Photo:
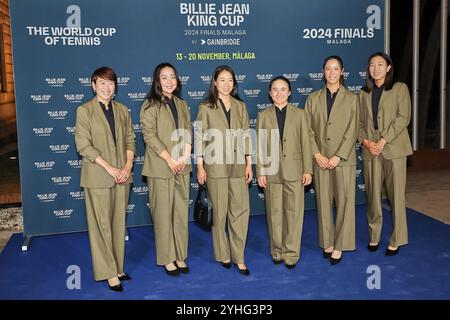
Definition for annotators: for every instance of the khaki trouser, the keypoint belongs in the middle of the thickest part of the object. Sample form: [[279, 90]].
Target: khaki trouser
[[106, 210], [393, 173], [169, 206], [230, 202], [284, 209], [335, 185]]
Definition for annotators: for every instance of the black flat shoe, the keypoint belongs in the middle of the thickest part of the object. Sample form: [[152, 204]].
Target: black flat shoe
[[226, 264], [125, 276], [372, 248], [182, 269], [326, 255], [245, 271], [277, 261], [390, 252], [117, 287], [290, 266], [172, 273]]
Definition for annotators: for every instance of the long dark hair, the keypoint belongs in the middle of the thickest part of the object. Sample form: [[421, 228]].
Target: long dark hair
[[341, 64], [279, 78], [213, 94], [156, 95], [388, 81]]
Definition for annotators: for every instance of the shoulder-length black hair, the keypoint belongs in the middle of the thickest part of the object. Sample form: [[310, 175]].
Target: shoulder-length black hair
[[156, 94], [341, 64], [213, 94], [389, 80], [279, 78]]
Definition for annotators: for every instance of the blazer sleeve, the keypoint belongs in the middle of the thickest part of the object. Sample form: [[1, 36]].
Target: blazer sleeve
[[312, 135], [149, 125], [200, 127], [188, 136], [362, 134], [83, 138], [261, 144], [403, 116], [245, 127], [351, 132], [131, 136], [306, 144]]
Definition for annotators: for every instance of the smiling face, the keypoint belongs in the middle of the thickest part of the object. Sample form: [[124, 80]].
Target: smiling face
[[333, 72], [104, 89], [168, 80], [378, 69], [279, 92], [224, 83]]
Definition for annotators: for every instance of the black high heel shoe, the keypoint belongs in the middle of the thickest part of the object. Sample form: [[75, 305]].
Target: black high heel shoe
[[335, 261], [326, 255], [372, 248], [390, 252], [182, 269], [245, 271], [277, 261], [172, 273], [226, 264], [124, 276], [117, 287]]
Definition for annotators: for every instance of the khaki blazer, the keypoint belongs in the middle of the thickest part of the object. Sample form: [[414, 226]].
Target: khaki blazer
[[159, 132], [294, 150], [93, 138], [394, 114], [211, 135], [337, 134]]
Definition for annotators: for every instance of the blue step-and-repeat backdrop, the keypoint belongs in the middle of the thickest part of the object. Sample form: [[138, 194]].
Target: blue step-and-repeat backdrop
[[58, 44]]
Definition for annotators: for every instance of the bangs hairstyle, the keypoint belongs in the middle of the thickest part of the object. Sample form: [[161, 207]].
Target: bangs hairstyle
[[341, 64], [279, 78], [213, 94], [388, 81], [106, 73], [156, 94]]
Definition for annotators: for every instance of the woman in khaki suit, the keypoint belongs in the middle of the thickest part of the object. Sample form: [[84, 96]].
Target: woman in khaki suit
[[224, 163], [105, 138], [385, 113], [284, 168], [332, 114], [166, 127]]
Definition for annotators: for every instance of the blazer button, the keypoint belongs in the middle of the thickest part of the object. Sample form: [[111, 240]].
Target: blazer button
[[328, 139], [329, 123], [284, 155], [284, 140]]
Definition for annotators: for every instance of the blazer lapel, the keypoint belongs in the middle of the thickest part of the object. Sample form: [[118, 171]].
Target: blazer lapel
[[323, 104], [273, 118], [338, 102], [179, 112], [288, 123], [369, 107], [101, 115]]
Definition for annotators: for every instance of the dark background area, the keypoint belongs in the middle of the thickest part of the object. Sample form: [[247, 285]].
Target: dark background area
[[429, 63]]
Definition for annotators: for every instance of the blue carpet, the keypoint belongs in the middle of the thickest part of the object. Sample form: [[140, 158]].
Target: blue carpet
[[420, 271]]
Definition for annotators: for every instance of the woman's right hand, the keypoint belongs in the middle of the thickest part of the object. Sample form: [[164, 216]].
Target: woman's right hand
[[201, 175]]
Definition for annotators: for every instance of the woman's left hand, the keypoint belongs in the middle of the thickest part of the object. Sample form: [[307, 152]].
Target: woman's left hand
[[306, 179], [125, 173], [248, 173]]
